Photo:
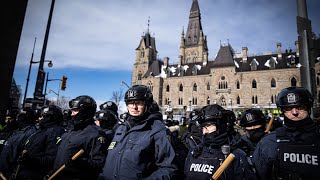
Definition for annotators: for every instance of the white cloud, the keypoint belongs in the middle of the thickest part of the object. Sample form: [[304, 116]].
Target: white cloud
[[103, 34]]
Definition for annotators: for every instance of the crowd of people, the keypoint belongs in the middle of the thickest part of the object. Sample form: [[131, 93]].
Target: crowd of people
[[85, 143]]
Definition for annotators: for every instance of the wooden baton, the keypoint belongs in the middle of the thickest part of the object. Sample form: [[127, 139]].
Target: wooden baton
[[223, 166], [270, 124], [74, 157], [2, 176]]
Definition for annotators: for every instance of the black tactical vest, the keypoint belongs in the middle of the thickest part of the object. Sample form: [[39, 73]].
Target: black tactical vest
[[204, 165], [297, 160]]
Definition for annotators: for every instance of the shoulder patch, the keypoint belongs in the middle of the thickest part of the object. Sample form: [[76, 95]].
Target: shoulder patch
[[102, 140]]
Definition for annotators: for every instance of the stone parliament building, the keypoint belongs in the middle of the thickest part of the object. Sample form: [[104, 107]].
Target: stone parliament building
[[234, 81]]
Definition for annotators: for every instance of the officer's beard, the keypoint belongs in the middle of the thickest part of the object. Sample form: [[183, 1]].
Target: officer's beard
[[255, 135]]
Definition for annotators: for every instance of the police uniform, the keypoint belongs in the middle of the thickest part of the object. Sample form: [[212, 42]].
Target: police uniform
[[289, 154], [142, 151], [41, 148], [13, 148], [92, 140], [209, 159], [83, 135], [292, 151]]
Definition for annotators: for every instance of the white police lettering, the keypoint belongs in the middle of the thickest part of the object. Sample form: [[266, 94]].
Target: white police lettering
[[301, 158], [201, 168]]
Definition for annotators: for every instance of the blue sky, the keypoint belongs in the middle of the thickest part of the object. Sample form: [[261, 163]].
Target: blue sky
[[93, 42]]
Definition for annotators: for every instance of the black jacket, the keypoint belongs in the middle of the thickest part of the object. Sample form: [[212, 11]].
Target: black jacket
[[143, 151], [88, 166]]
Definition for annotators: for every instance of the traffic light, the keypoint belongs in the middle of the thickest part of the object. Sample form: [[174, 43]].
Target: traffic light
[[63, 83]]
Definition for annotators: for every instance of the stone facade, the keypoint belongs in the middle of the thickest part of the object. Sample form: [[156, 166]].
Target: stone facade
[[236, 82]]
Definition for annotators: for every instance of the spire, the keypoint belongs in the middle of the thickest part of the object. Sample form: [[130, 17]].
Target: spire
[[182, 39], [194, 26], [148, 24]]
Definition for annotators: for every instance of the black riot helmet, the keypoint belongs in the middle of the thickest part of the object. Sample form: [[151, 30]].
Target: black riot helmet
[[86, 106], [231, 119], [214, 114], [294, 96], [139, 93], [53, 112], [107, 118], [195, 116], [26, 117], [109, 105], [252, 117]]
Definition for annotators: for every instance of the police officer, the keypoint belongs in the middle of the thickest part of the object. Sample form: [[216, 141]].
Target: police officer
[[83, 134], [106, 119], [110, 105], [41, 147], [193, 136], [291, 151], [253, 122], [10, 126], [203, 161], [140, 148], [12, 149]]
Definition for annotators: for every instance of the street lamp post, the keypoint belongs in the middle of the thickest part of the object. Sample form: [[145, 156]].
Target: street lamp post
[[45, 89], [28, 77], [124, 83]]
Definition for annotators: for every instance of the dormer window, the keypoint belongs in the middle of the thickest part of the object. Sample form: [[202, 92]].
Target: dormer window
[[194, 70], [254, 65]]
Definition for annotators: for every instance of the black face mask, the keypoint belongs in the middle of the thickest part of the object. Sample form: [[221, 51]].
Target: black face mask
[[255, 134]]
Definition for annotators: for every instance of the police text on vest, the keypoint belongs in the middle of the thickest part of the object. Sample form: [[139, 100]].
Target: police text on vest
[[201, 168], [301, 158]]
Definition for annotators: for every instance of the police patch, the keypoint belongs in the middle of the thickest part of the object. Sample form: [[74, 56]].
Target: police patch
[[249, 117], [130, 93], [291, 98], [102, 140], [112, 145]]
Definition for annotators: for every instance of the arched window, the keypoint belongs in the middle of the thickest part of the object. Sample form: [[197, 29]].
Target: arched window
[[256, 100], [180, 101], [168, 88], [208, 100], [180, 87], [238, 100], [150, 86], [194, 101], [208, 86], [223, 101], [252, 99], [223, 84], [139, 75], [195, 87], [273, 83], [293, 82], [254, 83], [272, 99], [142, 53], [238, 85]]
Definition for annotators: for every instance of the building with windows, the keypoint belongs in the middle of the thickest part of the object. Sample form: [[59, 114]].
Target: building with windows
[[234, 81]]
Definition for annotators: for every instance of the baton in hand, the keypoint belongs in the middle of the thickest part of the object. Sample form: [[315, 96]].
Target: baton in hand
[[74, 157], [223, 166]]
